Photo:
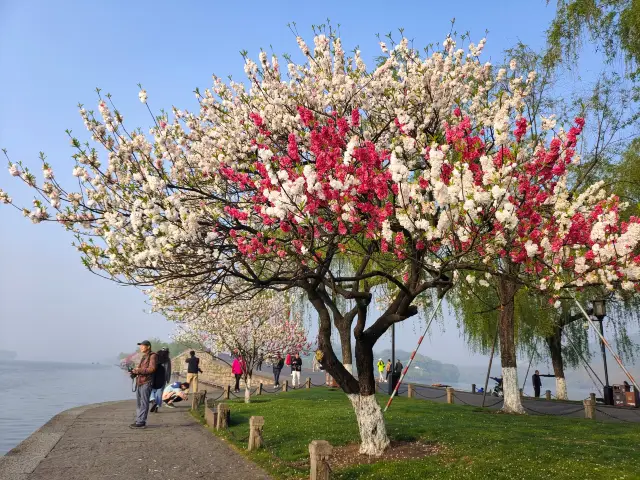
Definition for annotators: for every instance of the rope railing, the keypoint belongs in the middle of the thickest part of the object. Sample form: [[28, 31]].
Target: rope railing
[[466, 403], [417, 392], [570, 412], [217, 398], [613, 416]]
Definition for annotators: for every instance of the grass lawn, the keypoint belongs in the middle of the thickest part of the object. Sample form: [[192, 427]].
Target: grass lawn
[[477, 444]]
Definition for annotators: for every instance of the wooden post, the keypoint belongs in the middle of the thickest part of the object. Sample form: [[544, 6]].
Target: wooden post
[[473, 388], [589, 409], [227, 392], [319, 453], [592, 396], [547, 394], [210, 417], [450, 391], [260, 388], [285, 387], [308, 382], [197, 399], [223, 417], [255, 433], [521, 393], [410, 390]]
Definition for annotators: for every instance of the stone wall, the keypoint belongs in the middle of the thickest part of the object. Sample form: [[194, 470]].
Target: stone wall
[[217, 372]]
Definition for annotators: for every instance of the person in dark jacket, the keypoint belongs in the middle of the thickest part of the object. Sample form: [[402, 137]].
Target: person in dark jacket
[[167, 365], [397, 369], [277, 368], [537, 383], [193, 369], [296, 368], [159, 381]]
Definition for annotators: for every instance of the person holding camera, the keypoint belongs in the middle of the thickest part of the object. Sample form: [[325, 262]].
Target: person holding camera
[[143, 374]]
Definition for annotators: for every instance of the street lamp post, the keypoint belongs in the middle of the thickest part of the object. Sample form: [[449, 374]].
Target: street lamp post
[[600, 311], [391, 385]]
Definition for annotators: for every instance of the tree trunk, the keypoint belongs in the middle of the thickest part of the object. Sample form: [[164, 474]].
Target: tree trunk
[[512, 403], [345, 341], [555, 348], [373, 434], [247, 389]]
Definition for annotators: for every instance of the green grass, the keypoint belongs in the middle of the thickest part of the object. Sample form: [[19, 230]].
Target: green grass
[[477, 444]]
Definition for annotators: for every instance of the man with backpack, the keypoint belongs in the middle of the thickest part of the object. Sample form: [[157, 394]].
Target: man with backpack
[[144, 376], [159, 380]]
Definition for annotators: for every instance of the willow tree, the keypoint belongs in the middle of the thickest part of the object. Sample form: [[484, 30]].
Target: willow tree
[[611, 25]]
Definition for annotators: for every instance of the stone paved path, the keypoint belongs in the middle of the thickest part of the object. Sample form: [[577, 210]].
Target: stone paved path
[[96, 443]]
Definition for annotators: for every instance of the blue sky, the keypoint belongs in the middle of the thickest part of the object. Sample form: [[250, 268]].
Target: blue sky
[[54, 54]]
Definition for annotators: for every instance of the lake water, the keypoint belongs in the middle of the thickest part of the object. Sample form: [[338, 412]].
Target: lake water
[[33, 392]]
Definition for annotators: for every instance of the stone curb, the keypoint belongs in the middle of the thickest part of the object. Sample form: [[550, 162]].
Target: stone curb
[[22, 460]]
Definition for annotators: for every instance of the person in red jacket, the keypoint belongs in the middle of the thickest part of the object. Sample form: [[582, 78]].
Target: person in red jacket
[[287, 361], [238, 368]]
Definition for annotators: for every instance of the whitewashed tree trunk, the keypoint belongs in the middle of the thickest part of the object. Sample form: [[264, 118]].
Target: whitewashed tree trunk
[[561, 389], [247, 390], [373, 434], [348, 367], [512, 403]]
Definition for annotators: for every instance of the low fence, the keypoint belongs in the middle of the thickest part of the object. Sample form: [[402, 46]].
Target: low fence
[[585, 409]]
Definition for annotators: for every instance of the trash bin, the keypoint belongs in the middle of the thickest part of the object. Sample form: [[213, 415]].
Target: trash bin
[[619, 397], [632, 398], [394, 381]]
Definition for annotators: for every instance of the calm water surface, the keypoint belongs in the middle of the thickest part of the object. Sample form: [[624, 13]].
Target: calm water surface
[[33, 392]]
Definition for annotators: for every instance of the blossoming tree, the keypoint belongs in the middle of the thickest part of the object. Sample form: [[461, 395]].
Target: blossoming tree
[[254, 329], [410, 171]]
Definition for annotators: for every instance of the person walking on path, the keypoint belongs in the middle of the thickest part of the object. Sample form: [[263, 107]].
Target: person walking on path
[[278, 365], [158, 381], [398, 368], [238, 368], [537, 383], [193, 369], [380, 365], [314, 364], [296, 368], [389, 367], [287, 361], [260, 360], [144, 375], [167, 365]]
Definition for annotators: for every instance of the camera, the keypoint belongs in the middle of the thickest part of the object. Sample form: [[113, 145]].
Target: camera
[[131, 374]]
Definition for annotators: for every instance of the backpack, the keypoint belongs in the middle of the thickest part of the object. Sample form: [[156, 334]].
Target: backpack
[[159, 379]]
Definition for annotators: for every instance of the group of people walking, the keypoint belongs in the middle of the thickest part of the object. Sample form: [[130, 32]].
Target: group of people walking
[[293, 361], [382, 368], [239, 368]]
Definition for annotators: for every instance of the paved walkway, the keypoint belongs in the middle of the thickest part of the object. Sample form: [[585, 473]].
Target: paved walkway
[[96, 443]]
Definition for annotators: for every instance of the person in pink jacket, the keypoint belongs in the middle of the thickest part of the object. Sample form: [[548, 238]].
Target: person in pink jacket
[[238, 367]]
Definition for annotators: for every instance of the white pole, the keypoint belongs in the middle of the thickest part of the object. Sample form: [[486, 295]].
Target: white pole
[[603, 340], [395, 390]]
